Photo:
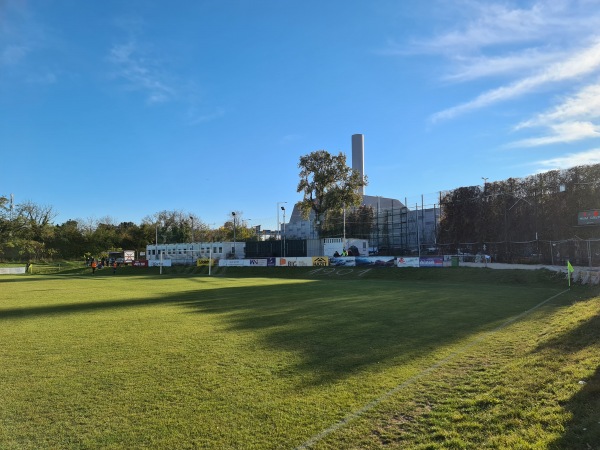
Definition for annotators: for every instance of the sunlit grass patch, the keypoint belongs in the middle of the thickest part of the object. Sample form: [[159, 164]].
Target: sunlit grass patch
[[184, 360]]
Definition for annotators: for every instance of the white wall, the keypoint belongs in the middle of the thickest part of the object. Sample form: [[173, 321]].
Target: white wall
[[183, 252]]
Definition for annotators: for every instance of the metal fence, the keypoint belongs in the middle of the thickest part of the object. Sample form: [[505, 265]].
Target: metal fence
[[581, 252]]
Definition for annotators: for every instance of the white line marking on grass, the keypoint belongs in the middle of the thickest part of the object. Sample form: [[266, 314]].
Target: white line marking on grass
[[356, 414]]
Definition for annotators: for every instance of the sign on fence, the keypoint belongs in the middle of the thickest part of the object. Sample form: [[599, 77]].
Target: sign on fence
[[437, 261], [379, 261], [303, 261], [407, 261], [591, 217], [256, 262], [12, 270], [158, 263], [344, 261], [204, 262]]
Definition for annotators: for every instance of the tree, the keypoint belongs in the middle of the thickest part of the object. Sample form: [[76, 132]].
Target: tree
[[5, 223], [521, 217], [358, 222], [68, 240], [327, 184]]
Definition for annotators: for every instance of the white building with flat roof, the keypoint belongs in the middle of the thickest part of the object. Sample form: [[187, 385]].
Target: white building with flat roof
[[189, 252]]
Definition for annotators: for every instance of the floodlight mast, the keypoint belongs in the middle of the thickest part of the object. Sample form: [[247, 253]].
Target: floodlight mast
[[234, 240], [278, 233], [161, 255], [192, 249], [283, 250]]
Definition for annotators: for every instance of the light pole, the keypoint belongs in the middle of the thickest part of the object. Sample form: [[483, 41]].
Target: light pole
[[192, 219], [283, 251], [192, 249], [234, 241], [278, 233], [344, 240]]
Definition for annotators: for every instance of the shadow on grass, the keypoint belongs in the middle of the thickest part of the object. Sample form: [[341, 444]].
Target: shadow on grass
[[583, 430], [19, 278], [337, 327], [346, 327]]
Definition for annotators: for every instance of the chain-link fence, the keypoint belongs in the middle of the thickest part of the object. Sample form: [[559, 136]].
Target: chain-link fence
[[581, 252]]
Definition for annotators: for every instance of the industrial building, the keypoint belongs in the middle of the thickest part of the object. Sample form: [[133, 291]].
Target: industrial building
[[397, 228]]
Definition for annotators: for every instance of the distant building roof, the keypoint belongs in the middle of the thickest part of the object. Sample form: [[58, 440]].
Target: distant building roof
[[381, 203]]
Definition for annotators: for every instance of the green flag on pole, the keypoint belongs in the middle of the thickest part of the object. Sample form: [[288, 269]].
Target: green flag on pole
[[570, 270]]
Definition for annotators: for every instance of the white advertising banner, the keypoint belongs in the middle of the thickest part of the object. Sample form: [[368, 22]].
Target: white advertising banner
[[407, 262], [295, 262], [234, 262], [258, 262], [158, 263], [12, 270]]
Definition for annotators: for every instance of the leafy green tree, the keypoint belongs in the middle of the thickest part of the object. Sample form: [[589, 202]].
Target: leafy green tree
[[327, 184], [174, 227], [38, 220], [5, 223], [105, 237], [521, 217], [360, 222], [68, 240], [25, 229]]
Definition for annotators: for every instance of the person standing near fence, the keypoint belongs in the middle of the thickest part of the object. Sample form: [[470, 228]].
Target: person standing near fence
[[114, 267]]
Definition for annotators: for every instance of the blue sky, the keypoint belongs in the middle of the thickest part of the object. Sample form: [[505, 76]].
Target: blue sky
[[126, 108]]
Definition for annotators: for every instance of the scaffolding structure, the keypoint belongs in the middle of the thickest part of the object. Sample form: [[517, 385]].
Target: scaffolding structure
[[409, 230]]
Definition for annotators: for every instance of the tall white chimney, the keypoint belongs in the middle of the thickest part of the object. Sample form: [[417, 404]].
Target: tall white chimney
[[358, 156]]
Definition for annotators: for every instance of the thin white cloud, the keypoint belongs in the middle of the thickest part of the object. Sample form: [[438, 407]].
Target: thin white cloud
[[569, 121], [140, 72], [488, 25], [570, 160], [532, 47], [562, 133], [473, 68], [584, 104], [494, 24], [582, 63]]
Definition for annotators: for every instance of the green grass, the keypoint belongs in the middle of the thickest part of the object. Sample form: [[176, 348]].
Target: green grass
[[270, 358]]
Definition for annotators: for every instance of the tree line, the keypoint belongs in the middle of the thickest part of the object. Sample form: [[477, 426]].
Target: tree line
[[515, 216], [330, 190], [510, 217], [27, 233]]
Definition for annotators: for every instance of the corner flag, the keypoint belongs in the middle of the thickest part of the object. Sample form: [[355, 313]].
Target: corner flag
[[570, 270]]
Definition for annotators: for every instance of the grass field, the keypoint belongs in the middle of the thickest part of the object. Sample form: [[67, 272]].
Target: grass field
[[299, 358]]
